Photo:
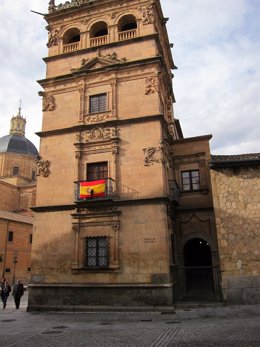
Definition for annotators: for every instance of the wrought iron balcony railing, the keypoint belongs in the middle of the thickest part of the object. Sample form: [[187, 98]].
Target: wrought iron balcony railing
[[90, 190]]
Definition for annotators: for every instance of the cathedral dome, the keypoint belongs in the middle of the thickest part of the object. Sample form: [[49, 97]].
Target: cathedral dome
[[16, 143]]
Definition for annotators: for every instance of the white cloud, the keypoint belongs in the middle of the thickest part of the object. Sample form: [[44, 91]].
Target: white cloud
[[22, 41], [217, 84]]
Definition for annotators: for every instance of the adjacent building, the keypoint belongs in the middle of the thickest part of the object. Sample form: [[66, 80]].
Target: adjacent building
[[236, 194], [18, 166]]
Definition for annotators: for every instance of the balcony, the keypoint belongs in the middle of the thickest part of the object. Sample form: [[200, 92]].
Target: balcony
[[88, 191], [70, 47], [98, 41], [174, 192], [127, 35]]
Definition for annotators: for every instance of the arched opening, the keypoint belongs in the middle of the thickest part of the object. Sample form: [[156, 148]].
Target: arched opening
[[71, 36], [127, 23], [99, 29], [198, 268], [197, 252]]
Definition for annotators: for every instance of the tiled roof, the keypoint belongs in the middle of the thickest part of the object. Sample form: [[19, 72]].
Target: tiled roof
[[16, 217], [238, 160], [237, 157]]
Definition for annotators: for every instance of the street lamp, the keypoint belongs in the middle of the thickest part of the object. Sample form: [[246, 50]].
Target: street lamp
[[15, 261]]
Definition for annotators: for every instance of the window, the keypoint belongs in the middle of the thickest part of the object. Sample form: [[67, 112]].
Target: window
[[99, 29], [127, 23], [71, 36], [16, 170], [7, 269], [98, 103], [190, 180], [28, 269], [10, 236], [97, 254], [30, 238], [33, 175], [97, 171]]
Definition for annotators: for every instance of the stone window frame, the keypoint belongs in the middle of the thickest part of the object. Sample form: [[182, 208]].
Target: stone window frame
[[84, 229]]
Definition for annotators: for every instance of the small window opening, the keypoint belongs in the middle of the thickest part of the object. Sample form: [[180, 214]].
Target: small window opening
[[71, 36], [127, 23], [97, 171], [33, 175], [99, 29], [10, 236], [190, 180], [16, 170], [98, 103], [97, 251]]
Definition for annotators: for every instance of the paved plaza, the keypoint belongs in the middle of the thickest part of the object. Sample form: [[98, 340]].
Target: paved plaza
[[223, 326]]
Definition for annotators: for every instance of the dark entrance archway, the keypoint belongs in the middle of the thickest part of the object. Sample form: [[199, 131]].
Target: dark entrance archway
[[198, 269]]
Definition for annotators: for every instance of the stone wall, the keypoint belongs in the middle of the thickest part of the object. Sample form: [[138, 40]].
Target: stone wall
[[236, 194]]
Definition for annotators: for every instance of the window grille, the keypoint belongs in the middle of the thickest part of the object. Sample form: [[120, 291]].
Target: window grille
[[98, 103], [97, 251]]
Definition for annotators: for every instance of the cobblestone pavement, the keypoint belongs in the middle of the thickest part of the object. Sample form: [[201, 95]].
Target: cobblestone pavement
[[188, 327]]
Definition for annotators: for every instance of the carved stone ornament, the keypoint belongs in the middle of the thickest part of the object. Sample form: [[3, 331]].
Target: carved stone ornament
[[166, 153], [151, 84], [98, 118], [97, 210], [147, 13], [99, 61], [67, 4], [43, 168], [53, 38], [151, 156], [48, 102], [98, 134]]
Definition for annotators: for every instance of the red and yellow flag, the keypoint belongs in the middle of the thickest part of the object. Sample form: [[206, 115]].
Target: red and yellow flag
[[92, 189]]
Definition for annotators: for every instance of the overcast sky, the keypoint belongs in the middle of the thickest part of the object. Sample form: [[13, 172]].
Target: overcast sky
[[217, 83]]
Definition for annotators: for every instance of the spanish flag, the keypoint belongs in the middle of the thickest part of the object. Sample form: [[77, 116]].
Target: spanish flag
[[92, 189]]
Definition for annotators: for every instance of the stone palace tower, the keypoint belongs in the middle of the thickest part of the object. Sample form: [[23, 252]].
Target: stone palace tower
[[105, 216]]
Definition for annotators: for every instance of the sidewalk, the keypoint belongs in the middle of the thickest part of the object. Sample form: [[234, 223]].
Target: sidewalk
[[213, 326]]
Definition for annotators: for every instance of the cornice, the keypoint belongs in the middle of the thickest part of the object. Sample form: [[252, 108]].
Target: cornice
[[118, 122], [103, 203], [115, 66]]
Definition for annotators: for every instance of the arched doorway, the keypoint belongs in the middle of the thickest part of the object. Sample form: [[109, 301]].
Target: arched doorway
[[198, 268]]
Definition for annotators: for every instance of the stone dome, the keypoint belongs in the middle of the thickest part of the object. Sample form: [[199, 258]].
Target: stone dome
[[16, 143]]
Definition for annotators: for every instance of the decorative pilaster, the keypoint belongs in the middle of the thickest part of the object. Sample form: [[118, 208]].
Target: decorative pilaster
[[115, 227]]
